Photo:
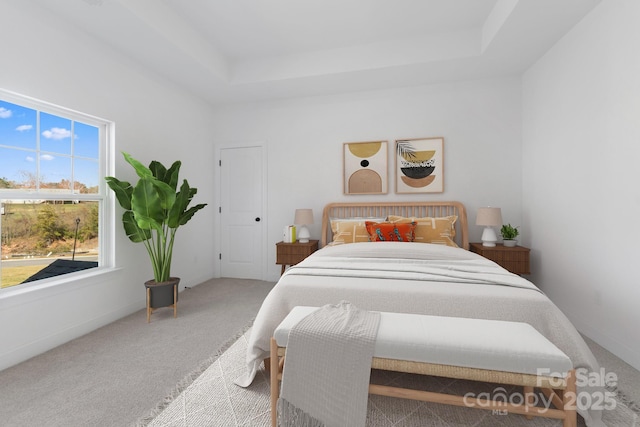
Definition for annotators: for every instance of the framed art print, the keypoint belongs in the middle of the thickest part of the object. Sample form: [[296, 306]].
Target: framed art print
[[420, 165], [365, 167]]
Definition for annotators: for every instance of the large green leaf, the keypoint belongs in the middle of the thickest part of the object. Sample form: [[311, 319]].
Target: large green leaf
[[123, 191], [158, 170], [134, 233], [147, 205], [186, 216], [167, 196], [171, 177], [141, 170], [168, 176], [181, 202], [179, 215]]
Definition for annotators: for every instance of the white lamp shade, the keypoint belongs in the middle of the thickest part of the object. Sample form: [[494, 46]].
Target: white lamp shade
[[488, 216], [303, 217]]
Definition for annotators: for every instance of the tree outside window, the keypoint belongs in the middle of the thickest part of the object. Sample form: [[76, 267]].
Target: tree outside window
[[51, 190]]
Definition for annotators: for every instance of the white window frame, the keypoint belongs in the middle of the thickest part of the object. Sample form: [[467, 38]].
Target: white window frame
[[106, 235]]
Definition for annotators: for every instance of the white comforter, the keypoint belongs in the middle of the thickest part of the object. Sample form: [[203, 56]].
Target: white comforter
[[414, 278]]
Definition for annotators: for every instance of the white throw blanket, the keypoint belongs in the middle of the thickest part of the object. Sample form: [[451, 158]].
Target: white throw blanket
[[327, 369], [455, 271]]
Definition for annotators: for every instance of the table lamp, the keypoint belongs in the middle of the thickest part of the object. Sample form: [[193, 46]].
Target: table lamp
[[489, 217], [303, 218]]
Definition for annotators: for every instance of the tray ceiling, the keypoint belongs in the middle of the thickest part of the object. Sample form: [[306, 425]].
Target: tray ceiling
[[229, 51]]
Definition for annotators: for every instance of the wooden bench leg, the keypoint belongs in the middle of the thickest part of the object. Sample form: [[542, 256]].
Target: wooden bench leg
[[528, 400], [275, 389], [569, 401]]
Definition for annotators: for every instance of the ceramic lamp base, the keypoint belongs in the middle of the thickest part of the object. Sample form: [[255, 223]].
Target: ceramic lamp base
[[489, 237], [303, 234]]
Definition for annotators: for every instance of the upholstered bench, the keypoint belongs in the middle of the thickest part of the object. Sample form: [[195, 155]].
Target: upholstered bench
[[491, 351]]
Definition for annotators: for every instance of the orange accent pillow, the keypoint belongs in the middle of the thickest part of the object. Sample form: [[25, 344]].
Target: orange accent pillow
[[440, 230], [388, 232]]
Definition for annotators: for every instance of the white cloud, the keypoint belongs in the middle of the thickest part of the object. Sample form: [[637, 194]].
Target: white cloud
[[4, 113], [56, 133], [30, 159], [24, 127], [47, 157]]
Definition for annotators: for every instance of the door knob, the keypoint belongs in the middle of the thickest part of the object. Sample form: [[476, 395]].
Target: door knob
[[257, 219]]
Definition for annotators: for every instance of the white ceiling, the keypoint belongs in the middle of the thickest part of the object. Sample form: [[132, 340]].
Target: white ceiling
[[229, 51]]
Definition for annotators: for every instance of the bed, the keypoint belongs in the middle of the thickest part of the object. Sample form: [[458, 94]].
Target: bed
[[409, 277]]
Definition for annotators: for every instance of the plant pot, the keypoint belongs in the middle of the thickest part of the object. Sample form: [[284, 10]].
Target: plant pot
[[510, 243], [162, 293]]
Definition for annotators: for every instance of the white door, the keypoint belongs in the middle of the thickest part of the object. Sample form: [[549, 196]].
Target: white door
[[241, 215]]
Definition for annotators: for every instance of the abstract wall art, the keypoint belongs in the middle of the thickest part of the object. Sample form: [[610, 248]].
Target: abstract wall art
[[365, 167], [420, 165]]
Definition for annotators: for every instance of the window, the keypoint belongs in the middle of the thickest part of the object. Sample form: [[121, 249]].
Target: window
[[52, 191]]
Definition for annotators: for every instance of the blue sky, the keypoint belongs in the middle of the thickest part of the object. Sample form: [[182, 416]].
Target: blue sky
[[18, 143]]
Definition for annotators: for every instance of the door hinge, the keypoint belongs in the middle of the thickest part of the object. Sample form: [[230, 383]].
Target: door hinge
[[219, 162], [219, 256], [219, 209]]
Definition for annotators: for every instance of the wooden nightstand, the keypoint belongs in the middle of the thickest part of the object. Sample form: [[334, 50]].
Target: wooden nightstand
[[293, 253], [515, 259]]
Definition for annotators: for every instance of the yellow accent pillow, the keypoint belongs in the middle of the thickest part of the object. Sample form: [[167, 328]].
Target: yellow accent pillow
[[351, 230], [440, 231]]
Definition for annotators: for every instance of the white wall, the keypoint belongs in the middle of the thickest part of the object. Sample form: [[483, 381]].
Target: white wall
[[46, 59], [480, 122], [581, 109], [565, 138]]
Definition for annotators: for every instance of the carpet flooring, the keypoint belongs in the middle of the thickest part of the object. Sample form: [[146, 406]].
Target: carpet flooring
[[214, 400], [117, 375], [113, 376]]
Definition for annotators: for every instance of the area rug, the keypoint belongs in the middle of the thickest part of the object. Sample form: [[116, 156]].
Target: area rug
[[209, 397]]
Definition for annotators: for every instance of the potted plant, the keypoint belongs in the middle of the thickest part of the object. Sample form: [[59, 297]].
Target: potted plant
[[509, 235], [154, 209]]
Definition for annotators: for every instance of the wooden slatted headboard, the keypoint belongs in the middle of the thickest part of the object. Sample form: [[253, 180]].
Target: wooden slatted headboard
[[382, 210]]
